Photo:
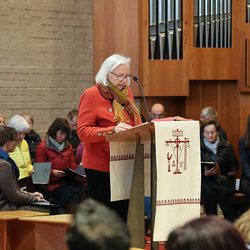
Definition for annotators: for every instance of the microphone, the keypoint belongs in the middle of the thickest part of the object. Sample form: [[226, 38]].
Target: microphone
[[136, 80]]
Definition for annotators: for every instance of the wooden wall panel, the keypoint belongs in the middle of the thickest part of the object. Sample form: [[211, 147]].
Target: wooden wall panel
[[244, 102], [116, 30], [213, 63], [194, 101], [244, 62]]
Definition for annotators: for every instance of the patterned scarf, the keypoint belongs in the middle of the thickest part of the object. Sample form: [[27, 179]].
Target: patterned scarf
[[120, 98]]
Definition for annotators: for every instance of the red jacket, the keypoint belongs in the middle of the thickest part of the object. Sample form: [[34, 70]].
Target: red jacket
[[95, 120], [60, 160]]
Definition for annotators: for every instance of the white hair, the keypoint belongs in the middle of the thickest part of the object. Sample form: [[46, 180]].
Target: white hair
[[209, 112], [108, 65], [19, 123]]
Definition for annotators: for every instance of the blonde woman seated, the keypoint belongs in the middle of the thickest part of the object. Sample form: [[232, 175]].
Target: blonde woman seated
[[21, 154], [11, 196]]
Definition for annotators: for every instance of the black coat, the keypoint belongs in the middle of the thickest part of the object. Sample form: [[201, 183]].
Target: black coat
[[224, 153], [74, 140], [33, 139]]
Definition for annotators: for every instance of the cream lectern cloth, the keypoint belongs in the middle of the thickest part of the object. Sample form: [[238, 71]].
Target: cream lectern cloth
[[178, 175], [122, 157]]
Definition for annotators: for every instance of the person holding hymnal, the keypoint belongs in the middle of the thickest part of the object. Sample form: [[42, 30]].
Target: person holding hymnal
[[218, 184], [11, 196], [66, 193]]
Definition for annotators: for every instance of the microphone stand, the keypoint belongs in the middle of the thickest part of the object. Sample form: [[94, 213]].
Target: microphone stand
[[136, 80]]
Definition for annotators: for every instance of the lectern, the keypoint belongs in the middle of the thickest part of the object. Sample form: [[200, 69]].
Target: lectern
[[136, 214], [175, 183]]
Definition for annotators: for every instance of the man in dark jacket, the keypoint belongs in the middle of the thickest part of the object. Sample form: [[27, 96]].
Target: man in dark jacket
[[73, 139]]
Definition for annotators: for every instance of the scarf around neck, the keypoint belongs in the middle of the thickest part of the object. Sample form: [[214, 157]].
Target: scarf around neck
[[120, 98], [59, 147], [212, 146]]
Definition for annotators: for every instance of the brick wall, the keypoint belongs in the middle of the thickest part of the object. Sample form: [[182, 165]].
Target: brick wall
[[46, 57]]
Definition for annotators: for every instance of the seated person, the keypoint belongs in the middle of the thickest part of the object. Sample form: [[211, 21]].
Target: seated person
[[56, 149], [11, 196], [32, 138], [97, 227], [73, 138], [2, 120], [210, 112], [244, 149], [21, 154], [217, 188], [157, 111], [206, 233]]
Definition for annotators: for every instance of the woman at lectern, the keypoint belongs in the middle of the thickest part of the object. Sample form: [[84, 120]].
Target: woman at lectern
[[11, 196], [217, 186], [106, 108]]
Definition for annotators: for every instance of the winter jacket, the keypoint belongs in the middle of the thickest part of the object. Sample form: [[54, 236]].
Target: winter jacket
[[95, 121], [33, 139], [63, 160], [11, 197], [225, 152], [74, 140], [21, 157]]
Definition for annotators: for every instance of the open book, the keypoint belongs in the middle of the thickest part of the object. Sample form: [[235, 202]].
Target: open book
[[41, 203], [79, 172], [222, 167]]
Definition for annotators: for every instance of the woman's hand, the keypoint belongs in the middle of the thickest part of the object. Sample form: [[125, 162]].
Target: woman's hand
[[212, 171], [58, 173], [122, 127], [31, 172], [38, 195], [231, 173]]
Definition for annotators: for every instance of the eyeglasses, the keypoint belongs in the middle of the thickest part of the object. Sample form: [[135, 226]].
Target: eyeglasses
[[158, 116], [59, 132], [121, 77]]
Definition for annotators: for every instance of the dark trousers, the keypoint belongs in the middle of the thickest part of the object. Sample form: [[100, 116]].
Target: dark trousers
[[98, 185], [245, 187], [223, 198]]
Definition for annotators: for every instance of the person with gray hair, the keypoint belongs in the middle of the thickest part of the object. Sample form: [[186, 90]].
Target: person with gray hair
[[96, 227], [210, 112], [21, 154], [106, 108]]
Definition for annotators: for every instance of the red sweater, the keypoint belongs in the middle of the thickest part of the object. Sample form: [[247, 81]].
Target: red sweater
[[95, 120], [60, 161]]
